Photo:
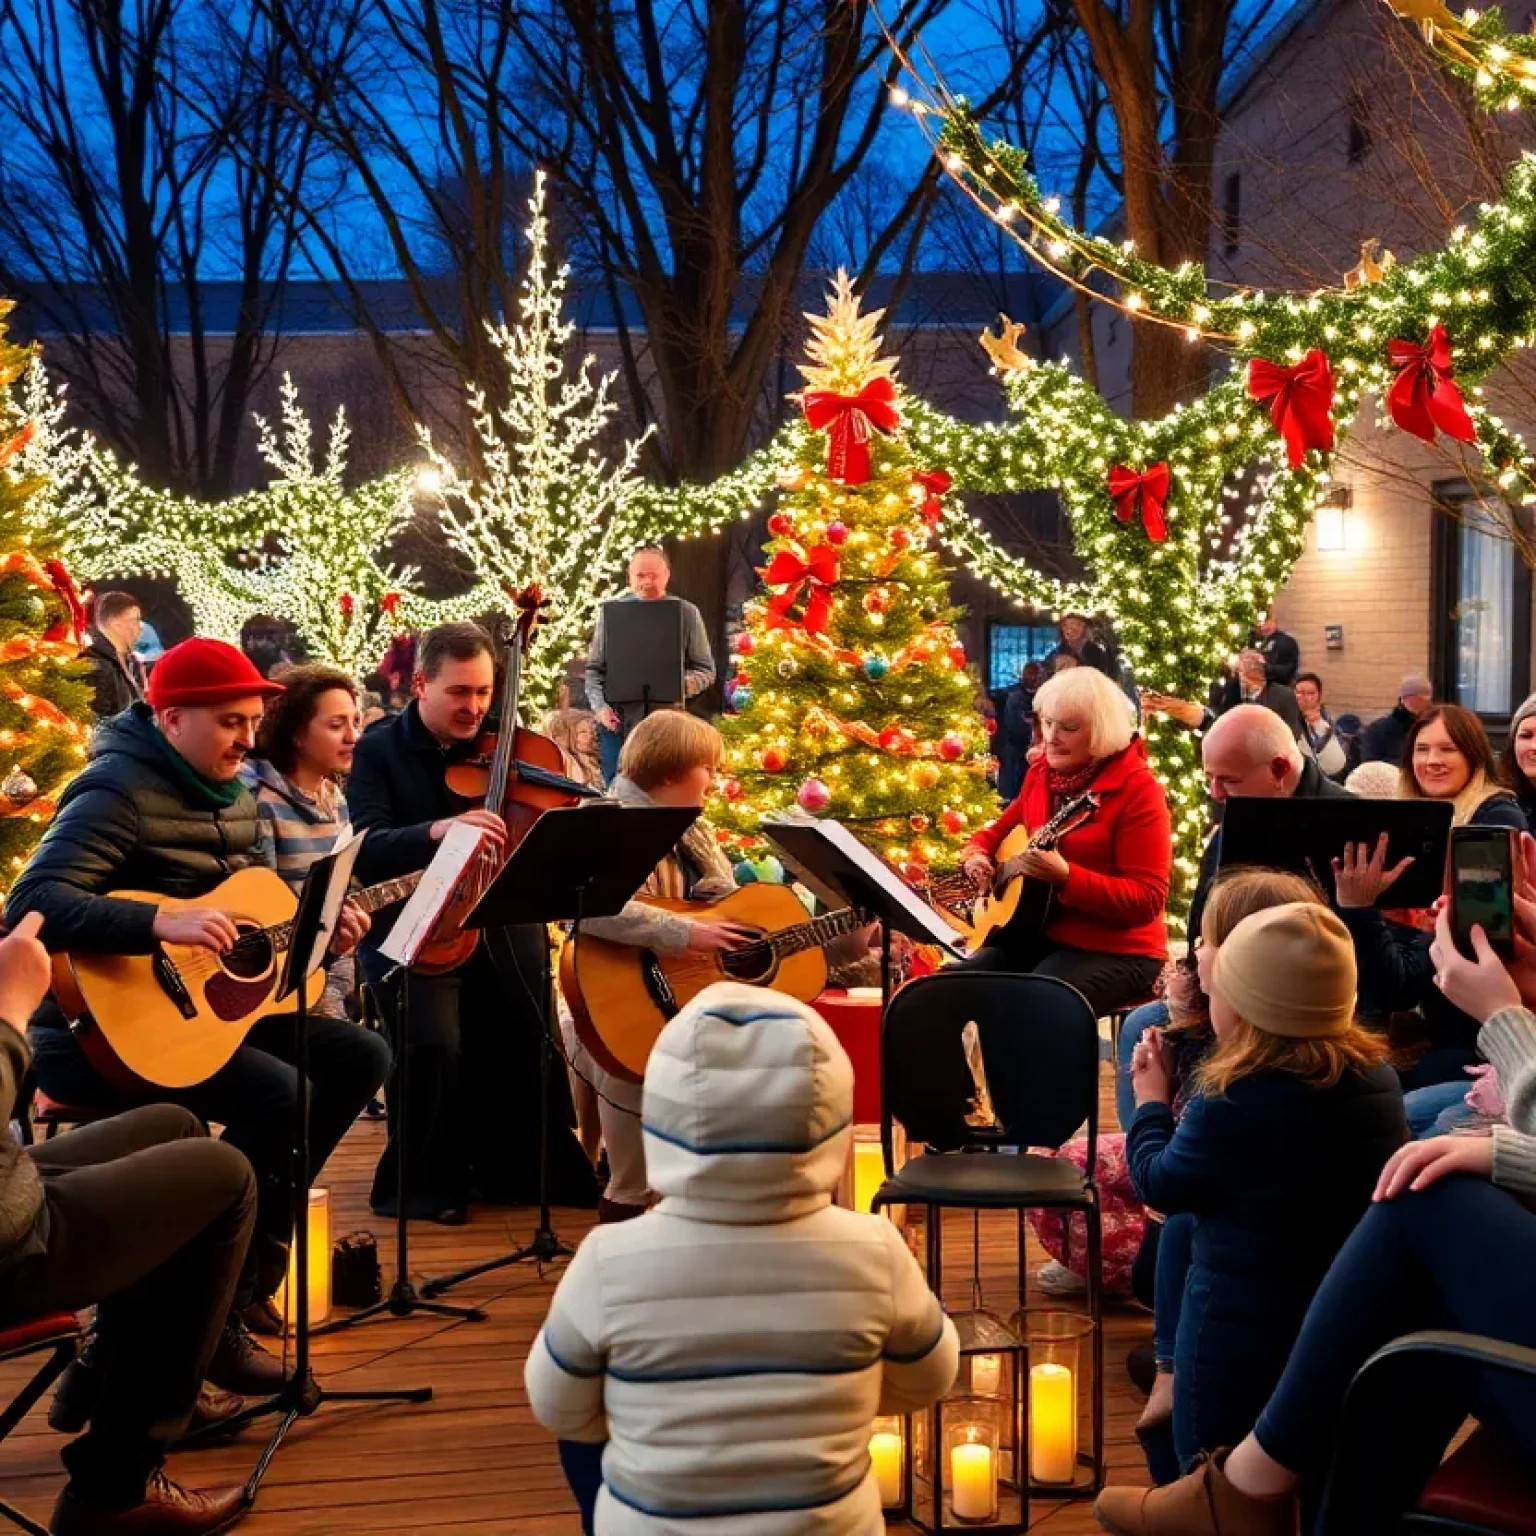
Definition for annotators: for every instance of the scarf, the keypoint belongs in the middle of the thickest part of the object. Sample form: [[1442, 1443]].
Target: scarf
[[1478, 793], [1063, 786], [696, 858], [202, 793]]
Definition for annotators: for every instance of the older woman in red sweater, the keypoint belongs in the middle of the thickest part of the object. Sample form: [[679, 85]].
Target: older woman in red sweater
[[1105, 931]]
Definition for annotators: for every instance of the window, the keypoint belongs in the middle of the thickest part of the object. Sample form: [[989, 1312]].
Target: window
[[1232, 213], [1358, 144], [1010, 646], [1483, 607]]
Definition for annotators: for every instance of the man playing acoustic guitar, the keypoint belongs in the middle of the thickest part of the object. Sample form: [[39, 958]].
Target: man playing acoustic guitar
[[160, 808]]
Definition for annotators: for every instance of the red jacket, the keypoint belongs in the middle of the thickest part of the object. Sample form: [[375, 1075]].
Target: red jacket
[[1120, 860]]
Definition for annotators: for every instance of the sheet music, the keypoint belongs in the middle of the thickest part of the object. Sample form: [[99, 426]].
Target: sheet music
[[880, 874], [325, 885], [419, 915]]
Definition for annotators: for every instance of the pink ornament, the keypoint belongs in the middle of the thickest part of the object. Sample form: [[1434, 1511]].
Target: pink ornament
[[744, 643], [837, 533], [814, 795], [951, 749], [731, 789]]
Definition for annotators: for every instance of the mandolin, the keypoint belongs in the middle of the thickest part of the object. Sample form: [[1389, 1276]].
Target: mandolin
[[174, 1017], [621, 996], [1013, 902]]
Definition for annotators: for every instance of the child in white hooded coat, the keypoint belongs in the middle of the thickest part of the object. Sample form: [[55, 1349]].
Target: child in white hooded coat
[[731, 1347]]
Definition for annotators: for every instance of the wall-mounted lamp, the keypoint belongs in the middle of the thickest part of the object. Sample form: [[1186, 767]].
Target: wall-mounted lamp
[[1332, 518]]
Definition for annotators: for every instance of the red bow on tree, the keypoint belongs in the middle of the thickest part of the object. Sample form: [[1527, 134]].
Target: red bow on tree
[[811, 578], [935, 482], [1301, 401], [345, 603], [1424, 395], [64, 584], [1144, 493], [846, 419], [390, 604]]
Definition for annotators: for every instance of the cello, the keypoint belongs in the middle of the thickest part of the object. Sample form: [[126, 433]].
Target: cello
[[515, 772]]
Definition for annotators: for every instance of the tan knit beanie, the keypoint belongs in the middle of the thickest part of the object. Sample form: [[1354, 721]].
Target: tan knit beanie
[[1290, 971]]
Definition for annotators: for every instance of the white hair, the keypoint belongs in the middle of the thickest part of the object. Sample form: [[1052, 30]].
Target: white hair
[[1088, 694], [1375, 781], [1259, 734]]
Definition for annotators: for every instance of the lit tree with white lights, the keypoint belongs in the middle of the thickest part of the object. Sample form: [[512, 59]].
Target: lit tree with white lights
[[548, 506]]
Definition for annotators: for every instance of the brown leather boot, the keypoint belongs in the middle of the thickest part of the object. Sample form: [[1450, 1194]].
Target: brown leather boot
[[1202, 1504], [167, 1509], [241, 1365]]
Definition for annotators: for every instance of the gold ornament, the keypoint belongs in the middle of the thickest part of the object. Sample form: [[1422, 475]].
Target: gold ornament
[[1003, 349], [19, 789], [793, 477], [1372, 267], [1431, 16]]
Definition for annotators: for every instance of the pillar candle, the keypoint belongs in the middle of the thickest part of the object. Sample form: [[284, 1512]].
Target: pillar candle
[[885, 1453], [1052, 1424], [868, 1173], [970, 1472]]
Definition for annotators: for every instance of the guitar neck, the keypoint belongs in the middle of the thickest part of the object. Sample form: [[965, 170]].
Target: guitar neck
[[371, 899], [814, 934]]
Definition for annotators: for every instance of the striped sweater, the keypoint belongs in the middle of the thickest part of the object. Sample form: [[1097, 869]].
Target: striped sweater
[[301, 827]]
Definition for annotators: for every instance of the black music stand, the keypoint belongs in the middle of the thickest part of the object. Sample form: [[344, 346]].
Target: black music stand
[[325, 886], [643, 653], [841, 871], [579, 862]]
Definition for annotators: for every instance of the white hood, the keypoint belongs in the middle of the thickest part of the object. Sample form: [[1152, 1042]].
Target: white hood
[[747, 1109]]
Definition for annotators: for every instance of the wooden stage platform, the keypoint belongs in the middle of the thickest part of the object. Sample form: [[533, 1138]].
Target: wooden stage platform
[[472, 1460]]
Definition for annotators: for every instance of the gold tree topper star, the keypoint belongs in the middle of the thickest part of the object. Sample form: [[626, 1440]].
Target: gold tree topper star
[[1003, 348], [844, 349]]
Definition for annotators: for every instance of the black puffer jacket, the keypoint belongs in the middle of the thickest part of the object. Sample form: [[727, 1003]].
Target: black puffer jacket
[[128, 823]]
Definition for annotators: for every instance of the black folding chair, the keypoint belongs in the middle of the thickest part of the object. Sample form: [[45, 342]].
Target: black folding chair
[[1040, 1051], [1485, 1488]]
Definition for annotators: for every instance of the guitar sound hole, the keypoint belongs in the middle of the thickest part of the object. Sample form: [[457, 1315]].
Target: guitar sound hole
[[750, 964], [251, 957]]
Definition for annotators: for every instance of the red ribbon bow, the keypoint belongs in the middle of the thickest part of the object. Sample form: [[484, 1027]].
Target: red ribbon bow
[[1144, 493], [846, 419], [390, 604], [1301, 401], [1424, 395], [935, 482], [811, 578], [64, 584], [345, 603]]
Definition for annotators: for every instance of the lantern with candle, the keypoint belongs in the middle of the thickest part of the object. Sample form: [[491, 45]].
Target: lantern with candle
[[888, 1457], [1063, 1378], [968, 1466]]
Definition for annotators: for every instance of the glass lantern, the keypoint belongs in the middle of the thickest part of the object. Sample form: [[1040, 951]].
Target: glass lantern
[[967, 1462], [1062, 1425]]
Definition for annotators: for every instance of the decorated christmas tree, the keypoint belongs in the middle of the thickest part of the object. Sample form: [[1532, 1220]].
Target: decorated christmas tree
[[851, 695], [44, 703]]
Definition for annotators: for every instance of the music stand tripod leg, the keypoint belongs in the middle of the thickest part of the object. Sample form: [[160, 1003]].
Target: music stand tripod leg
[[300, 1396], [545, 1246], [403, 1299]]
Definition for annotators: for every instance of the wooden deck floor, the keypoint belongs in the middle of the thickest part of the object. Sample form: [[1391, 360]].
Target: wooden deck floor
[[472, 1460]]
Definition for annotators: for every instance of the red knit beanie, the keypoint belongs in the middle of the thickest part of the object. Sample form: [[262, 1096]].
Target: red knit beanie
[[205, 672]]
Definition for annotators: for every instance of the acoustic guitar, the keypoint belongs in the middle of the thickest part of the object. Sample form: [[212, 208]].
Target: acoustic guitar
[[1013, 902], [172, 1018], [621, 996]]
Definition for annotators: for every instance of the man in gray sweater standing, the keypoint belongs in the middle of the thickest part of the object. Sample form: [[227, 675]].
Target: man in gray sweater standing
[[649, 573]]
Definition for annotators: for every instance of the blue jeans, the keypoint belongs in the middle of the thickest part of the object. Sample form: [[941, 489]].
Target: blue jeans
[[1459, 1255], [608, 744], [1149, 1016], [1438, 1109]]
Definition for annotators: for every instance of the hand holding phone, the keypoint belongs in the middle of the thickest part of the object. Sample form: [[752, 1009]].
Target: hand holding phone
[[1482, 889]]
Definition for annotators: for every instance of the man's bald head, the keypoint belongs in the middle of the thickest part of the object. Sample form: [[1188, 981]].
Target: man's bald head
[[1250, 753]]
